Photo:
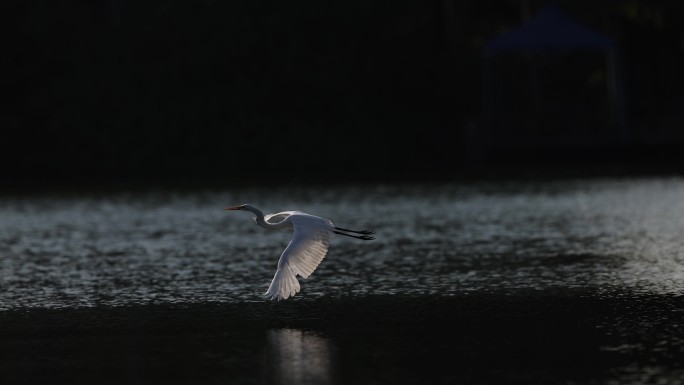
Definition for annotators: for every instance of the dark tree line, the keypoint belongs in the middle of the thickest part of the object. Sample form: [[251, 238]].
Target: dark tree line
[[125, 90]]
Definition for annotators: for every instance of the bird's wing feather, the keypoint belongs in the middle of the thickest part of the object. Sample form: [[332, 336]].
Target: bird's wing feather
[[278, 217], [309, 244]]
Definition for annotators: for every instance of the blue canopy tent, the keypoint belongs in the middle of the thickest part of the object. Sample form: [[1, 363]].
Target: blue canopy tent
[[551, 32]]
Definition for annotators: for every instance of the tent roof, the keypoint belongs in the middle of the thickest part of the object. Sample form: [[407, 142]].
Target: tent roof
[[550, 30]]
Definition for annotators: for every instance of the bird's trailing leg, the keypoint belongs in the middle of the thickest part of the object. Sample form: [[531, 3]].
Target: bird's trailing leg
[[366, 234], [364, 237]]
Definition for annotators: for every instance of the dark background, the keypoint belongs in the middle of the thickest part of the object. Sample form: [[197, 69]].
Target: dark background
[[225, 91]]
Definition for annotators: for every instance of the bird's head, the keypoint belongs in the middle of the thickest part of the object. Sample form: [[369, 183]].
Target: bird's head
[[257, 213], [240, 207]]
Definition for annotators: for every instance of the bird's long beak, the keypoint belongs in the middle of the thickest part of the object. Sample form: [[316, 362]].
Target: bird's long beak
[[233, 208]]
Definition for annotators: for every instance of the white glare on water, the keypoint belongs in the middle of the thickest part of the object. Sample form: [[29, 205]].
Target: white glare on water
[[164, 247]]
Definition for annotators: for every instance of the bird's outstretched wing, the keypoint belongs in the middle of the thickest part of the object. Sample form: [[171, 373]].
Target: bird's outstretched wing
[[306, 250], [278, 217], [309, 245]]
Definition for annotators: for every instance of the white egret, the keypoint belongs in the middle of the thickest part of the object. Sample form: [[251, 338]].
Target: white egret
[[306, 250]]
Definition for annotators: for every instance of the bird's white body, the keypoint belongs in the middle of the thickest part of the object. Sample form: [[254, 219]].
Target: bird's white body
[[306, 250]]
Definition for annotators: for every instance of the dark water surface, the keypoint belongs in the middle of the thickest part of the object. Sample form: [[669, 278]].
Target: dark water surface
[[575, 282]]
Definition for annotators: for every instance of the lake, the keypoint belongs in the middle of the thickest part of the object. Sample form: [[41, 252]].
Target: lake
[[576, 282]]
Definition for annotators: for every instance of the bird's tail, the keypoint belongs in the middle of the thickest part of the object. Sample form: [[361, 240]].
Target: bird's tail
[[284, 284]]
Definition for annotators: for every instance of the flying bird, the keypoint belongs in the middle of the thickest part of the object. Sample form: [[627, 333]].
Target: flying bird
[[306, 250]]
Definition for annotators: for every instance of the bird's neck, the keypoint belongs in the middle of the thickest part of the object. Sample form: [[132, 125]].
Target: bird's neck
[[261, 222], [259, 218]]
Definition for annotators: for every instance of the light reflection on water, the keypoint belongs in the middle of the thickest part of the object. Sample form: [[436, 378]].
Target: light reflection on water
[[299, 357], [172, 247]]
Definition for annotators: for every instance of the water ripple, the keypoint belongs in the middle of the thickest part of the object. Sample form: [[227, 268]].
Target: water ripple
[[181, 247]]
